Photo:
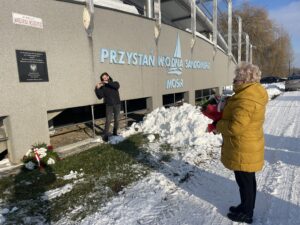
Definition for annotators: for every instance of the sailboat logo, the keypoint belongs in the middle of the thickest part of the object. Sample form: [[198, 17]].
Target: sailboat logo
[[176, 62]]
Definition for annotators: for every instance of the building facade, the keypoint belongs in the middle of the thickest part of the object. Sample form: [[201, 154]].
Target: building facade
[[49, 63]]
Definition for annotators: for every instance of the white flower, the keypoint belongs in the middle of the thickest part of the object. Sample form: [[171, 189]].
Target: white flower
[[42, 155], [42, 152], [28, 152], [151, 138], [50, 161], [29, 165]]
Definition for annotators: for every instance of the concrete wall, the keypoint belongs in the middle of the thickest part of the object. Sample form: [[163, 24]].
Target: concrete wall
[[73, 61]]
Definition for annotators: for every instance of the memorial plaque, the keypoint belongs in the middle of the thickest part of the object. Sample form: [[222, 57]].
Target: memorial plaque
[[32, 66]]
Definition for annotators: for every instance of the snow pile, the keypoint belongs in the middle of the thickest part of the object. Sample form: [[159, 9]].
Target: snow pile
[[72, 175], [5, 162], [5, 165], [57, 192], [274, 89], [177, 126]]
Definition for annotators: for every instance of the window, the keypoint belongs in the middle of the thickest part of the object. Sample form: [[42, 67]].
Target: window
[[202, 95], [175, 99]]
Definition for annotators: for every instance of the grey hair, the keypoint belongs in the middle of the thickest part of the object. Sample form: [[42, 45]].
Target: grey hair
[[247, 72]]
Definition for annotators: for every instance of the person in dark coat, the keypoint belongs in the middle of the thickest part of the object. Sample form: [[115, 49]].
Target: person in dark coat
[[109, 91]]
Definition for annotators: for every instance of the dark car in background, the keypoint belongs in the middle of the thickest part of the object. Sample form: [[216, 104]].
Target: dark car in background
[[292, 83], [271, 79]]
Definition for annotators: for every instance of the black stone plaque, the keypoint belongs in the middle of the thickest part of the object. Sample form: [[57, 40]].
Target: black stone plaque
[[32, 66]]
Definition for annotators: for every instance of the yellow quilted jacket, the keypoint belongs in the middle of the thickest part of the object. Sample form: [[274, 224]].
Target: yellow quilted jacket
[[242, 128]]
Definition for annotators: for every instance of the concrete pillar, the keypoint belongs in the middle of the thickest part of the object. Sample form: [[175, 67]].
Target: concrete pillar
[[190, 95], [24, 129], [251, 46], [247, 48], [193, 22], [149, 104], [3, 136], [239, 39], [215, 22], [157, 101]]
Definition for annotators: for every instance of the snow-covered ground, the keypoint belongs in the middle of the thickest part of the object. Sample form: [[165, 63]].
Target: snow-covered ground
[[274, 89], [193, 187], [190, 185]]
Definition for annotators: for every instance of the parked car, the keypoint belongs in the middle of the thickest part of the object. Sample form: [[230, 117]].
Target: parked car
[[292, 83], [271, 79]]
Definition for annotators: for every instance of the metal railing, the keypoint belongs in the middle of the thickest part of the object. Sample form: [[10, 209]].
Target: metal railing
[[175, 104], [123, 117]]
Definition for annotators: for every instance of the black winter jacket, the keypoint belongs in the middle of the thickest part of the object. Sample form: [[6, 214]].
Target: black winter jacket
[[110, 93]]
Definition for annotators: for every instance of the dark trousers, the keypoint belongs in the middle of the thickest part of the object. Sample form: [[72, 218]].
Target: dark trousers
[[112, 110], [247, 184]]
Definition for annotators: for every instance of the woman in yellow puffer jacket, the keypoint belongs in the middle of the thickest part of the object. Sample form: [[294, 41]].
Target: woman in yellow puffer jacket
[[241, 127]]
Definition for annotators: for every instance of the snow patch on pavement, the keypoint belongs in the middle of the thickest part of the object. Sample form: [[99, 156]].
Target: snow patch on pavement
[[194, 188]]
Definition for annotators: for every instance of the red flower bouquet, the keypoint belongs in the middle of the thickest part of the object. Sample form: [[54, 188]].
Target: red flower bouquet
[[212, 109]]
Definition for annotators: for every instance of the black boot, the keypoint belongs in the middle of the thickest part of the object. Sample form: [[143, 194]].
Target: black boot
[[105, 138], [115, 133], [240, 217], [235, 209]]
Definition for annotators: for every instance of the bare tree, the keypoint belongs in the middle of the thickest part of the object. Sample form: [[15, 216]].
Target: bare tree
[[272, 50]]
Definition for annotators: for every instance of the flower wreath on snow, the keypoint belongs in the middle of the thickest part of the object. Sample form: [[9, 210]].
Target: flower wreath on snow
[[39, 156], [212, 109]]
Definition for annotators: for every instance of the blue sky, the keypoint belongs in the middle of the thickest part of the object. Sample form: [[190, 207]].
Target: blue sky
[[285, 13]]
